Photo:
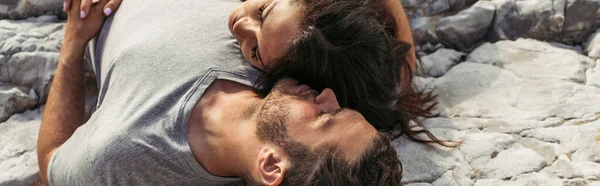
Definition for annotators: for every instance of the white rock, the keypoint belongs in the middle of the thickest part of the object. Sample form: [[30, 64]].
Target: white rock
[[529, 179], [572, 138], [484, 146], [576, 182], [536, 179], [449, 179], [592, 45], [448, 123], [515, 125], [590, 170], [426, 163], [550, 151], [563, 169], [14, 100], [513, 161], [18, 156], [477, 90], [534, 59], [471, 90], [593, 75]]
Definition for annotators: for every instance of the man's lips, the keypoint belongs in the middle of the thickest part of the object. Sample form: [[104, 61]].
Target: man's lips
[[303, 88]]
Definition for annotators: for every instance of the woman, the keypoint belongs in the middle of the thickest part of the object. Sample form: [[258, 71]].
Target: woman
[[360, 49]]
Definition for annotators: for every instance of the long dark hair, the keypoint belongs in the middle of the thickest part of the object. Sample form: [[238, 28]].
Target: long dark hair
[[348, 46]]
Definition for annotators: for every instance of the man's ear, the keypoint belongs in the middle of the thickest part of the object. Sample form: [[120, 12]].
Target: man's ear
[[272, 165]]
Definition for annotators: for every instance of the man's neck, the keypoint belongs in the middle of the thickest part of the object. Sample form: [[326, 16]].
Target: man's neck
[[221, 131]]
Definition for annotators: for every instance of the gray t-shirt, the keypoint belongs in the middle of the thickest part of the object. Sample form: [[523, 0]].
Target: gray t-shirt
[[154, 59]]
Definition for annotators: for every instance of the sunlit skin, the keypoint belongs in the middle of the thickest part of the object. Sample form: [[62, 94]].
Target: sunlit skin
[[222, 129], [268, 25], [281, 24]]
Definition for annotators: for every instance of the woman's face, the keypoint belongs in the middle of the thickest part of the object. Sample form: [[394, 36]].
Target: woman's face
[[265, 29]]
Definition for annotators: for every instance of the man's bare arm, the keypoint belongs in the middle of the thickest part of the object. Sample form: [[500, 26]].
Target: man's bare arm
[[65, 109]]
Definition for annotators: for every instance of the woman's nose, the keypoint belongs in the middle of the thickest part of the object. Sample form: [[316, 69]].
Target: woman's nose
[[327, 101], [246, 28]]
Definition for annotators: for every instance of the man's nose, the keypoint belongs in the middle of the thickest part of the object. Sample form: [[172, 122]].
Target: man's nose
[[246, 28], [327, 101]]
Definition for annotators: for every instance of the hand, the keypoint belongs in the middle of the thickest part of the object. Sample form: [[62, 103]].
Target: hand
[[85, 19]]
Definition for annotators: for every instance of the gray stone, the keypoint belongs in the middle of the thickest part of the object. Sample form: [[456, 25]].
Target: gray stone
[[29, 52], [592, 45], [15, 100], [582, 19], [423, 30], [563, 169], [33, 69], [548, 150], [466, 29], [418, 8], [20, 9], [449, 179], [439, 62], [593, 75], [426, 163], [424, 84], [534, 59], [542, 20], [418, 184], [18, 156], [513, 161]]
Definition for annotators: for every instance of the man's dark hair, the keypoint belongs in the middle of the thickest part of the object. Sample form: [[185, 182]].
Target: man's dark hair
[[349, 46]]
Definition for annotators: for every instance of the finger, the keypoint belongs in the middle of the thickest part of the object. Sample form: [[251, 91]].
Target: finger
[[111, 7], [95, 1], [85, 8], [66, 5]]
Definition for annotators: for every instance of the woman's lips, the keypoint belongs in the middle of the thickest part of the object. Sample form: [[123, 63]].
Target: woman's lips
[[234, 20]]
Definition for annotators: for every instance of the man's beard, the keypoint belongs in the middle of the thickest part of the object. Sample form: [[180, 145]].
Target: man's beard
[[272, 118]]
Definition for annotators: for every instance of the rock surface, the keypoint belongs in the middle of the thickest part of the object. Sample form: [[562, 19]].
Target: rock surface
[[592, 46], [18, 156], [439, 62], [529, 115], [518, 83], [21, 9], [468, 27]]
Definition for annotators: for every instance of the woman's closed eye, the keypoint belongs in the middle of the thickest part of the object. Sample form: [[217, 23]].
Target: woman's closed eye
[[260, 11], [254, 53]]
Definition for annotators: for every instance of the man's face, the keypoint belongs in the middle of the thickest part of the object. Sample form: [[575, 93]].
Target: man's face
[[312, 119]]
